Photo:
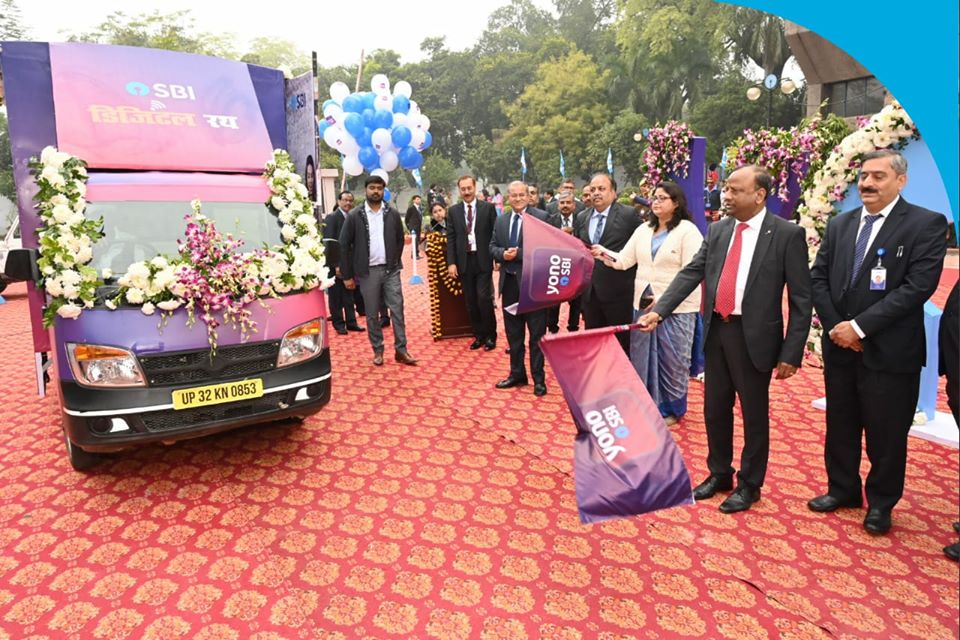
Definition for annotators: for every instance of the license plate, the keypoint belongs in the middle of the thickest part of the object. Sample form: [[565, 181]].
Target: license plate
[[217, 393]]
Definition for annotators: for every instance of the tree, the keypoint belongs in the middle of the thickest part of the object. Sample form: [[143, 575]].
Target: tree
[[494, 162], [723, 116], [617, 135], [11, 26], [758, 38], [561, 110], [7, 187], [518, 26], [174, 32], [277, 53], [672, 52]]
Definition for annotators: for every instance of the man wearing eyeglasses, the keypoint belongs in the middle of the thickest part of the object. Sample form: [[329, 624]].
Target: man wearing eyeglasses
[[746, 261]]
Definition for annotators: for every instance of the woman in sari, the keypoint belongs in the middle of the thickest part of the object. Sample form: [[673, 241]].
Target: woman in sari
[[660, 249]]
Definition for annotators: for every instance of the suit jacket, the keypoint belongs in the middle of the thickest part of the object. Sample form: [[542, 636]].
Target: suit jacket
[[414, 220], [500, 241], [779, 259], [485, 215], [333, 224], [914, 241], [355, 242], [609, 284], [554, 206]]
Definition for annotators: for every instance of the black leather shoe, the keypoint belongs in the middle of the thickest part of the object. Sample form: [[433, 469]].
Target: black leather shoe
[[877, 521], [356, 327], [740, 500], [476, 344], [490, 345], [953, 552], [507, 350], [553, 329], [342, 331], [709, 487], [509, 382], [827, 503], [573, 328], [956, 527], [539, 389]]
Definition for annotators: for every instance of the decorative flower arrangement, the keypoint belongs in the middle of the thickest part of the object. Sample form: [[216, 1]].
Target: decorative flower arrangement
[[782, 152], [66, 235], [891, 127], [667, 152], [209, 277]]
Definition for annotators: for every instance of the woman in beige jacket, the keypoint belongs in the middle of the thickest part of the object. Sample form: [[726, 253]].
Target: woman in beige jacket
[[660, 249]]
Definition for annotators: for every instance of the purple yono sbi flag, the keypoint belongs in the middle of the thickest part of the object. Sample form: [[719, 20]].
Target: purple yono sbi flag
[[556, 266], [625, 460]]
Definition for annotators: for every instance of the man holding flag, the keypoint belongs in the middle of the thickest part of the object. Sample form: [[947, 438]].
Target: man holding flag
[[506, 247]]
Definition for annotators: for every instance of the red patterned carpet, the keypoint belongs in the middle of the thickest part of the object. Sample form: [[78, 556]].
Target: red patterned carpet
[[423, 503]]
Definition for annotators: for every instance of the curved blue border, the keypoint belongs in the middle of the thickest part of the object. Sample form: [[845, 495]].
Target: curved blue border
[[912, 49]]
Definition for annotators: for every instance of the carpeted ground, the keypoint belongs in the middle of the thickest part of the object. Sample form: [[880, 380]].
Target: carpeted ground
[[423, 503]]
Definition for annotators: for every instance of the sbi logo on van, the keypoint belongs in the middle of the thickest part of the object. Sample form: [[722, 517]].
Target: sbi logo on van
[[161, 90]]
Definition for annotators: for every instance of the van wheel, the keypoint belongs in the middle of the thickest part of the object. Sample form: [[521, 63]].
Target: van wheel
[[80, 460], [3, 284]]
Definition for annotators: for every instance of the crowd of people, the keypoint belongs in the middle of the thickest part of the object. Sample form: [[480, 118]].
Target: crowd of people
[[874, 271]]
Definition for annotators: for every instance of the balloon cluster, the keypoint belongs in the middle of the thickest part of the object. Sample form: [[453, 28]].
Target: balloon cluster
[[375, 131]]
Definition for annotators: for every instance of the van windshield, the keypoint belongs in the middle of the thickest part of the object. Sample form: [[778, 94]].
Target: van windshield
[[141, 230]]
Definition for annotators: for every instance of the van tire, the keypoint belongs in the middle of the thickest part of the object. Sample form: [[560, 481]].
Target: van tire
[[80, 460], [3, 283]]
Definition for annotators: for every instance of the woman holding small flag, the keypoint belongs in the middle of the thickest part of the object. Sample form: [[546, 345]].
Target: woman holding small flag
[[660, 249]]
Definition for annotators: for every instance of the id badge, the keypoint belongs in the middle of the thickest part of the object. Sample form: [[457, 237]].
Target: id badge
[[471, 239], [878, 279]]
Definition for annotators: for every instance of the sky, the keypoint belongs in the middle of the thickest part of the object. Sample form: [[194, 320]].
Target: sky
[[337, 31]]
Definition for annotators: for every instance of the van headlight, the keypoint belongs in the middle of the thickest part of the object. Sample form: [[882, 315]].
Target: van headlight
[[301, 343], [98, 366]]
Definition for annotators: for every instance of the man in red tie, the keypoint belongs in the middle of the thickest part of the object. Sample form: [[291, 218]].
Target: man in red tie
[[745, 262]]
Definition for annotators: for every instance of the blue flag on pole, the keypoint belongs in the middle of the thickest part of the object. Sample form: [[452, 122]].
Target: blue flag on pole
[[563, 169], [723, 164], [609, 160], [417, 178], [523, 163]]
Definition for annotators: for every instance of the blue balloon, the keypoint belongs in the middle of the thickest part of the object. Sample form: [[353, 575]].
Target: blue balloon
[[368, 118], [369, 99], [427, 141], [410, 158], [382, 120], [368, 158], [328, 103], [353, 123], [322, 126], [386, 194], [353, 103], [364, 138], [401, 104], [401, 136]]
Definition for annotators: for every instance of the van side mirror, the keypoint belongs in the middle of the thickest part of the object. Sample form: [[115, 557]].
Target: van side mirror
[[22, 265], [331, 251]]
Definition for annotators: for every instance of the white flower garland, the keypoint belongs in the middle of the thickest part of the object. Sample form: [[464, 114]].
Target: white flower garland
[[891, 127], [67, 239]]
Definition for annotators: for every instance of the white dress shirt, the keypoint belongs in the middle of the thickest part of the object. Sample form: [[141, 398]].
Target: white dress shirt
[[867, 263], [747, 247], [378, 248], [595, 219]]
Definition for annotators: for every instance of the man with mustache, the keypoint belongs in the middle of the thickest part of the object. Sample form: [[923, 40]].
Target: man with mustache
[[875, 269]]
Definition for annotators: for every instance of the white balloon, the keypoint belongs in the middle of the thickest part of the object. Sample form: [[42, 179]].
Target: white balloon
[[381, 140], [333, 113], [333, 135], [339, 91], [424, 123], [383, 174], [379, 84], [383, 102], [347, 145], [389, 160], [352, 166], [417, 138], [414, 111], [399, 119], [403, 88]]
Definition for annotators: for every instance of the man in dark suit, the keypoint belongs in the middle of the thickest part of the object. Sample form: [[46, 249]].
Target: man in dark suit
[[553, 207], [414, 220], [564, 218], [371, 244], [506, 247], [469, 229], [341, 300], [745, 262], [608, 300], [875, 269]]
